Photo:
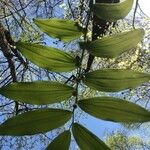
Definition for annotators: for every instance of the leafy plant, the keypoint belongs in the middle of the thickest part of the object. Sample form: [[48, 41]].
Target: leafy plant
[[108, 80]]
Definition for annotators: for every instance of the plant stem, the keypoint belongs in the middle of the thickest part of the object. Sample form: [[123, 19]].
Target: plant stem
[[79, 70]]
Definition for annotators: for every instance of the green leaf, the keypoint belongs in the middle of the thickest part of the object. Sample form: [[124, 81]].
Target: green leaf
[[47, 57], [34, 122], [112, 11], [62, 142], [38, 92], [114, 109], [62, 29], [113, 46], [86, 139], [113, 80]]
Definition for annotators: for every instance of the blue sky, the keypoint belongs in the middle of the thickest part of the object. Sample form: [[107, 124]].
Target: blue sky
[[145, 5]]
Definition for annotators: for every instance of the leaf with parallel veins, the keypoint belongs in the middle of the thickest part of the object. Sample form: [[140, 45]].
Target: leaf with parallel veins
[[113, 11], [86, 139], [113, 46], [35, 122], [114, 109], [38, 92], [61, 142], [48, 58], [65, 30], [113, 80]]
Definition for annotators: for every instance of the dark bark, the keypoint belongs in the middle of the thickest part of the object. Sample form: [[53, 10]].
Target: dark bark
[[6, 50]]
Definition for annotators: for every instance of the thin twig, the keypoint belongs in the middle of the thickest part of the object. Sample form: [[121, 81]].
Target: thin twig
[[16, 10], [136, 6]]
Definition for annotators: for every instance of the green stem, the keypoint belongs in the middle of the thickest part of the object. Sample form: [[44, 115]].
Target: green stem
[[79, 70]]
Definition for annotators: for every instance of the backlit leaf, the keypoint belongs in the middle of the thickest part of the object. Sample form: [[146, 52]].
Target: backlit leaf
[[62, 142], [47, 57], [86, 139], [113, 46], [113, 11], [113, 80], [65, 30], [114, 109], [38, 92], [35, 122]]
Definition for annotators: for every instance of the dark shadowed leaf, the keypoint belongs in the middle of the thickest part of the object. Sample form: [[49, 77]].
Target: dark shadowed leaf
[[65, 30], [39, 92], [113, 11], [47, 57], [34, 122], [113, 46], [62, 142], [113, 80], [114, 109], [86, 139]]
